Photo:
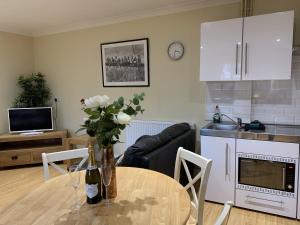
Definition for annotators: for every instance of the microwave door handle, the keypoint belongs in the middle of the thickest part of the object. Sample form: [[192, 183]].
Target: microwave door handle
[[283, 178]]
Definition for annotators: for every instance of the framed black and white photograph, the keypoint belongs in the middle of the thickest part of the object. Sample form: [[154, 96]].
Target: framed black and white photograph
[[125, 63]]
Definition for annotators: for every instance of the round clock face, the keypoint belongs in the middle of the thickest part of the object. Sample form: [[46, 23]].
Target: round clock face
[[175, 50]]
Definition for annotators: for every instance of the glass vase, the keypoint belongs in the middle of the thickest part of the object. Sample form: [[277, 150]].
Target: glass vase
[[108, 160]]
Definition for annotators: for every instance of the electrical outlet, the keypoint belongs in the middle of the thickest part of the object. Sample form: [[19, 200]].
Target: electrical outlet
[[57, 99]]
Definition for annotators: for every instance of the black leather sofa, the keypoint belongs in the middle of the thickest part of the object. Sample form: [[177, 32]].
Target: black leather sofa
[[158, 152]]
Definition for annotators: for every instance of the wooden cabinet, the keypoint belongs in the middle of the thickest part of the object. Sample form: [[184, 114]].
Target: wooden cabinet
[[250, 48], [14, 158], [17, 149], [221, 180]]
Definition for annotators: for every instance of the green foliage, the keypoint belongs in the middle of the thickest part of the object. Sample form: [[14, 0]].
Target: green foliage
[[103, 123], [34, 93]]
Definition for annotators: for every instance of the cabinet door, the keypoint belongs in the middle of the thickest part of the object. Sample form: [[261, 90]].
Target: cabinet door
[[268, 43], [222, 175], [220, 51]]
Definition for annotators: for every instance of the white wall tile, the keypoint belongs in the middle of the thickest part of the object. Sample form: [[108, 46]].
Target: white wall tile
[[267, 101]]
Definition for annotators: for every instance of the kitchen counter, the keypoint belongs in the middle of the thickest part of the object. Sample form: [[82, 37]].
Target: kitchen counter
[[279, 133]]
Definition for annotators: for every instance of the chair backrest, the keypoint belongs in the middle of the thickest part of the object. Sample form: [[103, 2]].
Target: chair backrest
[[224, 216], [50, 158], [205, 166]]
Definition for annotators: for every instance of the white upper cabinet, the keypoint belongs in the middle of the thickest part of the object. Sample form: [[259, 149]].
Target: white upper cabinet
[[268, 46], [251, 48], [220, 51]]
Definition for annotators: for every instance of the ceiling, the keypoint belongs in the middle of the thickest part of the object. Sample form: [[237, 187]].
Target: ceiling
[[41, 17]]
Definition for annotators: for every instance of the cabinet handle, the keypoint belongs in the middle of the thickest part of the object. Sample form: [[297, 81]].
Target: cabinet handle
[[226, 160], [236, 58], [14, 157], [246, 58], [249, 197]]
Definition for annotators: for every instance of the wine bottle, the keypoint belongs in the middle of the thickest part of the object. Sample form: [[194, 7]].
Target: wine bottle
[[92, 179]]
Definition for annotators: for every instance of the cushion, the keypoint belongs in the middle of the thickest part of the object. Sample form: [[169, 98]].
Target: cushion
[[148, 143], [176, 130]]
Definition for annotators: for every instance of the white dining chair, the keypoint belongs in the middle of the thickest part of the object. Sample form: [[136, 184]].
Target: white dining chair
[[224, 216], [204, 164], [51, 158]]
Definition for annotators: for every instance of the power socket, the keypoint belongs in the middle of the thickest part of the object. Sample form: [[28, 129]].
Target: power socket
[[57, 99]]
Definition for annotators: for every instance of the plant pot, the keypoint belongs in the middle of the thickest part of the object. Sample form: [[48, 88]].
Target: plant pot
[[108, 161]]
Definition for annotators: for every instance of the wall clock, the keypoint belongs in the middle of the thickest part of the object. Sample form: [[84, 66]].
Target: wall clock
[[175, 50]]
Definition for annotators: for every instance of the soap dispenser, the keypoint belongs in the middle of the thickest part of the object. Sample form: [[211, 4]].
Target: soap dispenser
[[217, 115]]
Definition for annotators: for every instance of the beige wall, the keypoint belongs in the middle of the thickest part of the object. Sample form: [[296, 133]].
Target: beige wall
[[16, 57], [71, 62]]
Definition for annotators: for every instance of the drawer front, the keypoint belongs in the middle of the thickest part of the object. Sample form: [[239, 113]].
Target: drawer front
[[280, 149], [268, 203], [37, 156], [14, 158]]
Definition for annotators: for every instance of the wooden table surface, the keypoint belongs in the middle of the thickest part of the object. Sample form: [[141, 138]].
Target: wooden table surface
[[144, 197]]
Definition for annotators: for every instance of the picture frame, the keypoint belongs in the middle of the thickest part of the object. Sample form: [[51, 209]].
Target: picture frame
[[125, 63]]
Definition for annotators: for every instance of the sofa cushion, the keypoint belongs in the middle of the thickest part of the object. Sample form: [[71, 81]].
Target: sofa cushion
[[176, 130], [148, 143]]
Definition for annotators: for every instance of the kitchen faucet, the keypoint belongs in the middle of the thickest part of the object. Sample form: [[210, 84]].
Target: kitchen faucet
[[238, 122]]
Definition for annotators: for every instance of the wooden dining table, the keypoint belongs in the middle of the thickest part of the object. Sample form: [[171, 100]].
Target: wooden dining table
[[144, 197]]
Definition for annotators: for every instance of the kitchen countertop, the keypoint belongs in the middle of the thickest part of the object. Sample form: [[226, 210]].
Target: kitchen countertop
[[279, 133]]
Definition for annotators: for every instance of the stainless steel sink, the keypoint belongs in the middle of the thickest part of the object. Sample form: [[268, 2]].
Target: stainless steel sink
[[278, 133], [222, 126]]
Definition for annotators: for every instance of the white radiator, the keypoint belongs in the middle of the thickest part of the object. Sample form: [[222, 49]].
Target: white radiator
[[137, 128]]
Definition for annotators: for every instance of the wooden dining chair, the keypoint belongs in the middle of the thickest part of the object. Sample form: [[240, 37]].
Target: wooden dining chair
[[51, 158], [224, 216], [204, 164]]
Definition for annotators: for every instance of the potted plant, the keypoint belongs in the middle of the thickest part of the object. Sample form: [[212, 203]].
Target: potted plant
[[35, 92]]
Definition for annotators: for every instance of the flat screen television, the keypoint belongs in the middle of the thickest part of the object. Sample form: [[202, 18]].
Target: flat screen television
[[30, 119]]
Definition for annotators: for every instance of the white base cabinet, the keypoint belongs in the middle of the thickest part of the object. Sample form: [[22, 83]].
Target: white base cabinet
[[221, 180], [260, 199]]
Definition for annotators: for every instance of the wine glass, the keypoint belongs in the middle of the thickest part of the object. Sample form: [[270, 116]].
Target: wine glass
[[106, 178], [74, 175]]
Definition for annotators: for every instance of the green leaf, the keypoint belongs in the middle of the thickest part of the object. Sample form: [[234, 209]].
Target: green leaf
[[121, 101], [91, 112], [111, 109], [80, 129], [135, 101], [138, 108], [94, 117], [129, 110], [122, 126]]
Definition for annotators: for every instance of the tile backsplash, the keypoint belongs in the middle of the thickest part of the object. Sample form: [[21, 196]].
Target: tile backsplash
[[268, 101]]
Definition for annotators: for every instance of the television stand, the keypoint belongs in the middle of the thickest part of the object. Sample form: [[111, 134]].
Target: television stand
[[16, 149]]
